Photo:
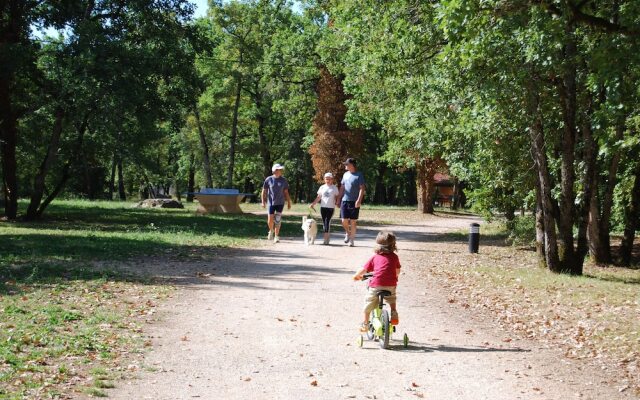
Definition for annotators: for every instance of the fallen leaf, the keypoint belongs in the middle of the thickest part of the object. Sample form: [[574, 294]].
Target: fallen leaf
[[314, 383], [414, 384]]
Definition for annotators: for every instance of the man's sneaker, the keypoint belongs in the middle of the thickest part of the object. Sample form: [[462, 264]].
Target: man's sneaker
[[351, 244], [325, 242], [346, 238], [395, 320], [276, 239], [270, 235], [364, 327]]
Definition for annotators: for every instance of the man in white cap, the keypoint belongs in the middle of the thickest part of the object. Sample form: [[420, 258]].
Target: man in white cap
[[274, 193]]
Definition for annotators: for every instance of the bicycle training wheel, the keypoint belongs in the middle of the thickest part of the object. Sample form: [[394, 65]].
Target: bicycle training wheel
[[370, 333], [384, 340]]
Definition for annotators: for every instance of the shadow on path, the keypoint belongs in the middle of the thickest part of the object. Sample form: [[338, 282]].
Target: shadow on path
[[415, 347]]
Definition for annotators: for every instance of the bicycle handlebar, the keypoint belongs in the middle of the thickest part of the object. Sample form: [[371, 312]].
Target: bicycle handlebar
[[367, 276]]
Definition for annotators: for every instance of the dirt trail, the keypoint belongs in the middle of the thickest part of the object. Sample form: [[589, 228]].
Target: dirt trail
[[280, 322]]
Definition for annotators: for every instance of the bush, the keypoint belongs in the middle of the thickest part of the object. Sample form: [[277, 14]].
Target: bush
[[521, 231]]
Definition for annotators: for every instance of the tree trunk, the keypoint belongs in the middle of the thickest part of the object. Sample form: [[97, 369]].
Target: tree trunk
[[206, 162], [425, 169], [264, 147], [11, 33], [191, 180], [589, 183], [380, 193], [568, 93], [603, 254], [8, 144], [121, 192], [540, 232], [536, 131], [631, 215], [234, 134], [86, 176], [49, 159], [510, 210], [265, 154], [455, 204], [421, 186], [112, 181], [65, 169]]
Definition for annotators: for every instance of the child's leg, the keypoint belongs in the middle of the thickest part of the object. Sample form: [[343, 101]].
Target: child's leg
[[370, 302], [391, 300]]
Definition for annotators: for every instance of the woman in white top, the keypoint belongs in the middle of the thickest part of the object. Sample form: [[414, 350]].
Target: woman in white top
[[327, 196]]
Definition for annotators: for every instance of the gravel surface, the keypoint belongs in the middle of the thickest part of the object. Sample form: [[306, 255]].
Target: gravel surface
[[280, 321]]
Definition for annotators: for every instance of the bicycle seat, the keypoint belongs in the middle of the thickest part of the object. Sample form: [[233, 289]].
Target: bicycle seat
[[384, 293]]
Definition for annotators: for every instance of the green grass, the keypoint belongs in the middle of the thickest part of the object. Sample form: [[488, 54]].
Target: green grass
[[60, 315], [85, 231], [50, 331]]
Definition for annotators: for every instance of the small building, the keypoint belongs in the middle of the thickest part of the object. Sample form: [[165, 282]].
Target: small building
[[445, 190]]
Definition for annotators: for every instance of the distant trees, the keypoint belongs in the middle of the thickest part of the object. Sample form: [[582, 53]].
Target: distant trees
[[523, 102], [96, 94], [257, 100]]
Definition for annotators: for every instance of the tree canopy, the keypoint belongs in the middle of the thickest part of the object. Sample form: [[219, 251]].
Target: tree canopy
[[529, 107]]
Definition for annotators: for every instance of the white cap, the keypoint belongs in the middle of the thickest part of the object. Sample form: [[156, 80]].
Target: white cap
[[328, 175], [276, 166]]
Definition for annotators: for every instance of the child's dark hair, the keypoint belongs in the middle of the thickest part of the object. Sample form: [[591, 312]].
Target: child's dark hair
[[385, 242]]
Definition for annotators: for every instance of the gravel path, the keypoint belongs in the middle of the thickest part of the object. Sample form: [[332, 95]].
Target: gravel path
[[280, 322]]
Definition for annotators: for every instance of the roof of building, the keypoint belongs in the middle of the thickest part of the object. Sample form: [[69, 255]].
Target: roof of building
[[442, 179]]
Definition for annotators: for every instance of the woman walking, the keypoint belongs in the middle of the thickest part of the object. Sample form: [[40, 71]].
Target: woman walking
[[327, 196]]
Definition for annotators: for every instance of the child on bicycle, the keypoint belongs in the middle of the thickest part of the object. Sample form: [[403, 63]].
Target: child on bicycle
[[385, 266]]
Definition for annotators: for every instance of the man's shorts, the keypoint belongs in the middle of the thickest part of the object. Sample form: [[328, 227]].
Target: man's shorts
[[371, 299], [348, 210], [274, 209]]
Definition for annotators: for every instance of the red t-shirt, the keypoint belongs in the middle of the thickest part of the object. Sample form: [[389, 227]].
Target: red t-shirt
[[384, 269]]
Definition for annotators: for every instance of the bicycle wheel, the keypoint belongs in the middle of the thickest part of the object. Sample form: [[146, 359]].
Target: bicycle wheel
[[370, 334], [384, 340]]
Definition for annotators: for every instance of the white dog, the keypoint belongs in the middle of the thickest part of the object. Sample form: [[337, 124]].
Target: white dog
[[310, 229]]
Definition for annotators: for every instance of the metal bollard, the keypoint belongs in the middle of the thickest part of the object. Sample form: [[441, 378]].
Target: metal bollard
[[474, 238]]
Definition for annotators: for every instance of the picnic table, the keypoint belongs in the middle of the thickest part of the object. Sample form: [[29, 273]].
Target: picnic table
[[219, 201]]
